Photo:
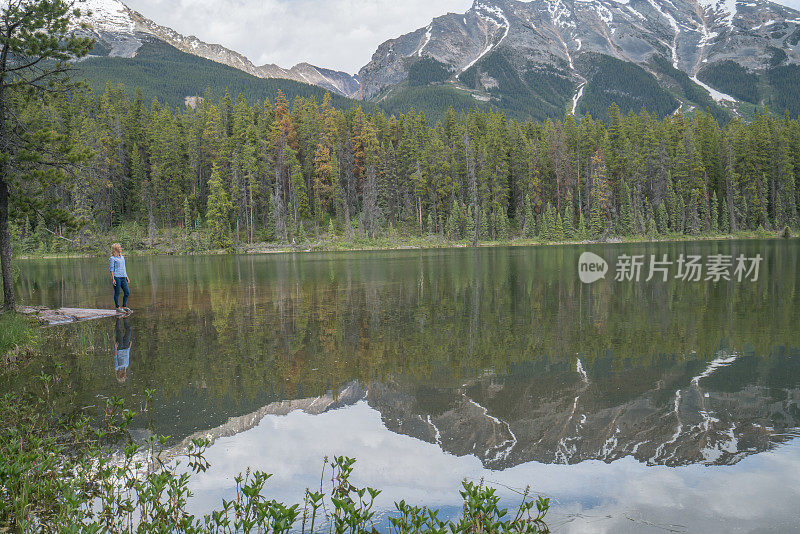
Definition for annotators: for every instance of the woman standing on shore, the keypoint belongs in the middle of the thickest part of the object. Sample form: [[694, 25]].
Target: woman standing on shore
[[119, 277]]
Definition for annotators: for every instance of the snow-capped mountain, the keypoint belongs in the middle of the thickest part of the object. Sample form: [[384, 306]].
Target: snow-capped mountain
[[120, 31], [552, 41]]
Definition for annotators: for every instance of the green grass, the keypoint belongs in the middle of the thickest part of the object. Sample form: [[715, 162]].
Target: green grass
[[18, 335], [174, 242]]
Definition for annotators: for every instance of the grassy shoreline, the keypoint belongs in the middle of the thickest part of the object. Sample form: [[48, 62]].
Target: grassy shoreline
[[19, 338], [393, 243]]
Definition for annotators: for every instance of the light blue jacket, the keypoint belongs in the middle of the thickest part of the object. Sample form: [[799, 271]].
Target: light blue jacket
[[122, 359], [117, 266]]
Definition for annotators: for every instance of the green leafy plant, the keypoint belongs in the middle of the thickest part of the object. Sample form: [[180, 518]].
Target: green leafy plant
[[481, 513]]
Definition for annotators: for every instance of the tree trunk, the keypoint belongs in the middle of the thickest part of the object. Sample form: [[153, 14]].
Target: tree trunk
[[252, 222], [419, 213], [151, 221], [5, 246]]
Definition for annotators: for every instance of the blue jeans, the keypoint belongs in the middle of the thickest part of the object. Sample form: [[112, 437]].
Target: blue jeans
[[122, 283]]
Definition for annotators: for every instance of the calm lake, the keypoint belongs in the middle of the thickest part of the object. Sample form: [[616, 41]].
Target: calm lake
[[646, 406]]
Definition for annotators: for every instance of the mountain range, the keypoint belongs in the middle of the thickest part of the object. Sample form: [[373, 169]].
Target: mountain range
[[121, 32], [537, 58]]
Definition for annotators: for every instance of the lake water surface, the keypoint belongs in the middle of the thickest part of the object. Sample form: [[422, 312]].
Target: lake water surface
[[645, 406]]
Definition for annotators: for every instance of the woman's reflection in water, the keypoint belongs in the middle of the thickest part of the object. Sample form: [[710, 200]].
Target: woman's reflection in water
[[122, 356]]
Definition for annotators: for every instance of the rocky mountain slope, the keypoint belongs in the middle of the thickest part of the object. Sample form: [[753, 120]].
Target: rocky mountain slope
[[553, 50], [121, 32]]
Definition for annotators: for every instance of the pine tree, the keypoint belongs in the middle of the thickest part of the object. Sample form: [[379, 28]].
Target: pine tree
[[545, 232], [582, 232], [469, 225], [484, 225], [672, 208], [693, 217], [559, 228], [42, 238], [529, 226], [652, 231], [662, 219], [325, 180], [452, 223], [30, 243], [501, 224], [639, 219], [725, 221], [218, 212], [187, 215], [36, 47], [714, 213], [679, 215], [569, 220], [298, 193], [600, 199], [626, 226]]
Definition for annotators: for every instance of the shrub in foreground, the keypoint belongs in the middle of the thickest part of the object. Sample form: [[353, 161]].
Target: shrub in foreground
[[72, 474]]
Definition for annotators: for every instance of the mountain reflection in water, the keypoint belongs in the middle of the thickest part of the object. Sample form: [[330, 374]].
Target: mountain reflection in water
[[499, 420]]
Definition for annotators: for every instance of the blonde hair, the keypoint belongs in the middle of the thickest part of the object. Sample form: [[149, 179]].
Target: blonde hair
[[116, 247]]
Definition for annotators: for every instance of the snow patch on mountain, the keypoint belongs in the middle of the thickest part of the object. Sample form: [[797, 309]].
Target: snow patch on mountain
[[724, 7], [771, 22], [605, 14], [673, 46], [427, 40], [106, 15], [718, 96], [496, 16], [560, 14]]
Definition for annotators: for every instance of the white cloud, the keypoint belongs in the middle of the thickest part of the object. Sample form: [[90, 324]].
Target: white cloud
[[336, 34]]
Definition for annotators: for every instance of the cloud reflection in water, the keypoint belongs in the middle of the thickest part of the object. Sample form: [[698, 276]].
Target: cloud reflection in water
[[760, 493]]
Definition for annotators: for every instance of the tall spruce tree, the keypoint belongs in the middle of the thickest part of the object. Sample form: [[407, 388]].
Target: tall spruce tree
[[569, 219], [219, 211], [714, 213], [600, 198]]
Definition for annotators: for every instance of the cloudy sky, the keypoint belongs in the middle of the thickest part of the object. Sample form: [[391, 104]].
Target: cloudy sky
[[337, 34]]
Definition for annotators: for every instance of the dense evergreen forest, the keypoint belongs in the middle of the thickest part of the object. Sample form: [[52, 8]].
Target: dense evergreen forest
[[235, 172]]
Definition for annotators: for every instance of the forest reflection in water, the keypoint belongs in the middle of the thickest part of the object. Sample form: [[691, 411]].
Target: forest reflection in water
[[498, 353]]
